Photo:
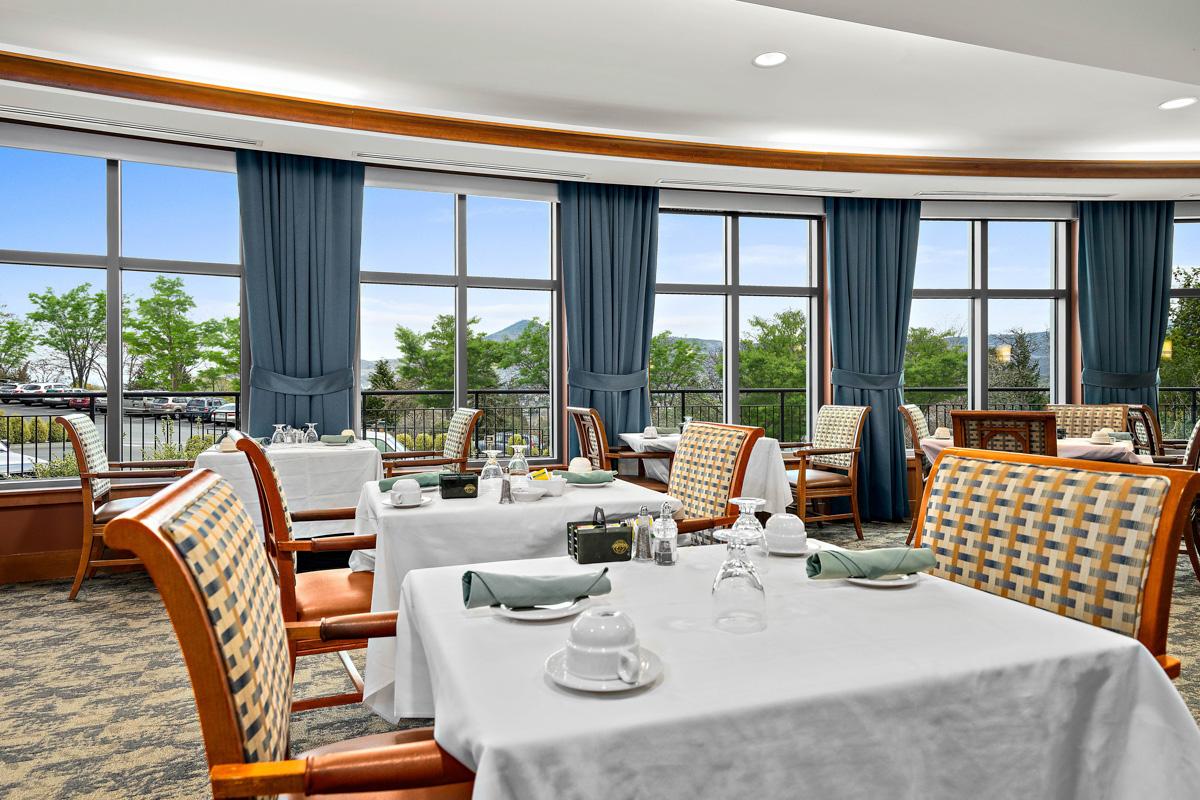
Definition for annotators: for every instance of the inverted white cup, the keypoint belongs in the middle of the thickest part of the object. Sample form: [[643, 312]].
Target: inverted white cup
[[406, 492], [602, 645]]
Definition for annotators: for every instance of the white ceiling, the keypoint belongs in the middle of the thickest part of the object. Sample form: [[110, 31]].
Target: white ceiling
[[670, 68]]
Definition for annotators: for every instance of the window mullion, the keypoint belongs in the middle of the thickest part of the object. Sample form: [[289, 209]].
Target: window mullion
[[460, 301], [732, 312], [113, 308]]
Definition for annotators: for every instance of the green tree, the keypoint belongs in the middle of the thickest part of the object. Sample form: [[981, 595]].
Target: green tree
[[16, 346], [528, 355], [775, 352], [1183, 330], [1012, 363], [933, 357], [221, 349], [162, 334], [72, 326], [677, 363], [381, 377], [427, 359]]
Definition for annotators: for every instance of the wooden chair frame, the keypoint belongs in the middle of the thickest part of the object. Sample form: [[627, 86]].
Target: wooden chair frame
[[607, 456], [417, 762], [91, 550], [922, 461], [1145, 415], [400, 463], [699, 524], [799, 459], [1054, 408], [1046, 419], [280, 549], [1160, 577]]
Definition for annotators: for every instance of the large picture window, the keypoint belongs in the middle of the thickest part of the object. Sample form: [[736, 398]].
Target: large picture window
[[1179, 370], [460, 310], [732, 318], [123, 291]]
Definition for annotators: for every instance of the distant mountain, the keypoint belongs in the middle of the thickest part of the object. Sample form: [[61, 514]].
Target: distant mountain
[[509, 333], [710, 346]]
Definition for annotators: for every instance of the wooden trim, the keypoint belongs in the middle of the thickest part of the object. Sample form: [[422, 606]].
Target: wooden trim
[[154, 89], [45, 566]]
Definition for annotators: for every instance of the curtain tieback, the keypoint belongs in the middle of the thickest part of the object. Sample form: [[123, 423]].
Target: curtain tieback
[[279, 383], [866, 380], [608, 382], [1120, 380]]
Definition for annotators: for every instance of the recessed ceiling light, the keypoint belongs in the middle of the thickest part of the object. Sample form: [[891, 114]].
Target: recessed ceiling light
[[1178, 102], [768, 60]]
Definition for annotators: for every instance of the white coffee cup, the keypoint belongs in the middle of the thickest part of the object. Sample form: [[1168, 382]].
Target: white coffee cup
[[1102, 436], [650, 432], [785, 533], [580, 464], [406, 492], [603, 646], [942, 433]]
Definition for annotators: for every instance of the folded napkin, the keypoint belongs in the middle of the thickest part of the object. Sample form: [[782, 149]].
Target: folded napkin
[[595, 476], [336, 439], [525, 591], [426, 479], [830, 564]]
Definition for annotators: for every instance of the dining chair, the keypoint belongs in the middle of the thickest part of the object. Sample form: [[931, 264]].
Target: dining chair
[[96, 475], [918, 429], [1090, 540], [593, 445], [200, 547], [305, 596], [455, 452], [833, 456], [1189, 461], [708, 471], [1081, 421], [1009, 431], [1147, 433]]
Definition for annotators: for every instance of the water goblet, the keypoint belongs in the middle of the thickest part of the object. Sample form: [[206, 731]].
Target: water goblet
[[517, 465], [278, 437], [310, 433], [739, 600], [491, 468]]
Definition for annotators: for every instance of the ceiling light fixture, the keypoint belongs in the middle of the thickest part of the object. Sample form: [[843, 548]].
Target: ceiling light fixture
[[773, 59], [1178, 102]]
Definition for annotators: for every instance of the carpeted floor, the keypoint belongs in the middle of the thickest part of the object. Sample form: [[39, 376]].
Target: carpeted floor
[[95, 700]]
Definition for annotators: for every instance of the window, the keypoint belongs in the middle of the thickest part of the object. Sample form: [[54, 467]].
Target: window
[[732, 320], [177, 263], [1179, 370], [988, 308], [459, 308]]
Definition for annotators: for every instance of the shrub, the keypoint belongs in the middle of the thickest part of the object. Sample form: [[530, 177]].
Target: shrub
[[423, 442], [406, 440], [64, 467]]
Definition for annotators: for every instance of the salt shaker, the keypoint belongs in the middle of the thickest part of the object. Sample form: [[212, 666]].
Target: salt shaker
[[665, 533], [643, 546], [505, 491]]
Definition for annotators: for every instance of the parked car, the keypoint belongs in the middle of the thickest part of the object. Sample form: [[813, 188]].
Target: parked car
[[225, 414], [32, 394], [8, 387], [16, 463], [63, 400], [168, 406], [141, 402], [384, 442], [84, 403], [201, 408]]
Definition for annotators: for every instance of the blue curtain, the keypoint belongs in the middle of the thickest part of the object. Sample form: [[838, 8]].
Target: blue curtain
[[872, 259], [301, 236], [1124, 298], [610, 256]]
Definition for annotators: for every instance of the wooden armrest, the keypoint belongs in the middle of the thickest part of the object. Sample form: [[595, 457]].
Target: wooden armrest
[[785, 445], [422, 462], [328, 544], [345, 626], [823, 451], [323, 514], [262, 778], [177, 462], [1170, 665], [396, 456], [694, 525], [137, 473], [633, 454]]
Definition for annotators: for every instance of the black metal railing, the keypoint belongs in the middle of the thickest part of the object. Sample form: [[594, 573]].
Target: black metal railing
[[781, 412], [938, 401], [35, 446], [417, 419]]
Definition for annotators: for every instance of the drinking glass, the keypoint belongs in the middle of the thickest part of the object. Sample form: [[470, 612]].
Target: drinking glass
[[277, 437], [517, 465], [491, 467], [310, 433], [739, 600]]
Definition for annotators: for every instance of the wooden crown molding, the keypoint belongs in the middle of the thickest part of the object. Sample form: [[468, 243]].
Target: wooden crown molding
[[149, 88]]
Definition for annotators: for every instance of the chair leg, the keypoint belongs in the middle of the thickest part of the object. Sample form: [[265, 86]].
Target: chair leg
[[1189, 544], [85, 558], [854, 511], [912, 529]]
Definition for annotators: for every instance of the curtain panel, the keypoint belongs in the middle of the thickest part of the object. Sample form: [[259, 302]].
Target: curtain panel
[[609, 256], [872, 260], [1125, 254], [301, 237]]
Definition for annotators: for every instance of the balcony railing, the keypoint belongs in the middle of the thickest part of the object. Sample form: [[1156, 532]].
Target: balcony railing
[[417, 419]]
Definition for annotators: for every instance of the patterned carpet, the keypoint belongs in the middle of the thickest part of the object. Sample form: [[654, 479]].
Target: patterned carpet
[[95, 701]]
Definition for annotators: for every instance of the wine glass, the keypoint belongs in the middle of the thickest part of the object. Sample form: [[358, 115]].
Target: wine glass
[[278, 437], [310, 433], [739, 600], [491, 467], [517, 465]]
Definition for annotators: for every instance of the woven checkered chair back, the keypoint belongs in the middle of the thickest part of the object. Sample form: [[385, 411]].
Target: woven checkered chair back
[[89, 450], [838, 426], [702, 474], [1191, 455], [591, 444], [1074, 542], [216, 540], [918, 424], [1007, 431], [456, 444], [1081, 421]]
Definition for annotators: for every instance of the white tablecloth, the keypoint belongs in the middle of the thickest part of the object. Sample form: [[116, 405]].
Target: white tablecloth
[[934, 691], [765, 476], [314, 476], [1067, 448]]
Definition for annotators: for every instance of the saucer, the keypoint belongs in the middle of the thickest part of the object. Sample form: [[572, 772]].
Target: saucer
[[594, 485], [943, 438], [890, 582], [1102, 441], [813, 546], [334, 444], [544, 613], [424, 502], [556, 668]]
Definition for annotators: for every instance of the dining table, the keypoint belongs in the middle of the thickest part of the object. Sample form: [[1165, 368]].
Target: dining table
[[313, 476], [765, 478], [1070, 447], [935, 690]]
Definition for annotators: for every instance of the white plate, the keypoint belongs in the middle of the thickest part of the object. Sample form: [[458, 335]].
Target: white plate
[[943, 438], [556, 668], [433, 488], [424, 502], [335, 444], [544, 613], [890, 582], [813, 547], [592, 485]]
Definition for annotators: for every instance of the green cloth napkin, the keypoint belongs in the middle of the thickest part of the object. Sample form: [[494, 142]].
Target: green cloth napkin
[[526, 591], [595, 476], [831, 564], [336, 439], [426, 479]]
